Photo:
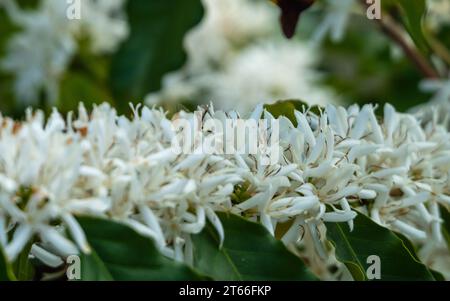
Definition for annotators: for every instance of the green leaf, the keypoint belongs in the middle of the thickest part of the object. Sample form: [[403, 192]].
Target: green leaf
[[437, 275], [78, 87], [22, 266], [155, 45], [413, 13], [412, 250], [120, 253], [398, 259], [249, 252], [6, 271], [287, 107], [445, 215]]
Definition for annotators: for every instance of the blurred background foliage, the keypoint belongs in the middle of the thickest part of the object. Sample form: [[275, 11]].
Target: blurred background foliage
[[365, 66]]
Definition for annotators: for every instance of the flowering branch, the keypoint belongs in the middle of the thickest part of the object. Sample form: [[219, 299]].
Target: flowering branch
[[394, 171]]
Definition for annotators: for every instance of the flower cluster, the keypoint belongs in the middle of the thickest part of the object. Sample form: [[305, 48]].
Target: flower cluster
[[39, 54], [394, 168]]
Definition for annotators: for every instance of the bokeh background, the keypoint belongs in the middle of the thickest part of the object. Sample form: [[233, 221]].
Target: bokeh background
[[231, 53]]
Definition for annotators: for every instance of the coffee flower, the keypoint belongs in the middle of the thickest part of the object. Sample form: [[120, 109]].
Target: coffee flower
[[319, 168]]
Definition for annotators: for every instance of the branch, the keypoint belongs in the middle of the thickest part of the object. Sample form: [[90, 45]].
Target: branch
[[390, 27]]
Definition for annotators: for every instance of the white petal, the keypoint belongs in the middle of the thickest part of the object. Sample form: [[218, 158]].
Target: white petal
[[266, 221], [386, 172], [410, 231], [312, 227], [306, 129], [292, 235], [20, 238], [257, 200], [95, 206], [198, 226], [46, 257], [337, 217], [152, 221], [62, 245], [367, 194], [77, 233], [3, 234], [178, 248], [416, 199], [215, 221]]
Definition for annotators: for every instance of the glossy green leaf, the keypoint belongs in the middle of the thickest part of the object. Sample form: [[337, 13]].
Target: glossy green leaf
[[413, 13], [397, 257], [120, 253], [249, 252], [155, 45], [412, 250]]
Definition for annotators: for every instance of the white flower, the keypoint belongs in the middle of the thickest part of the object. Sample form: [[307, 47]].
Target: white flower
[[259, 74], [243, 61], [441, 88], [336, 19], [40, 53], [226, 27], [40, 166], [104, 22]]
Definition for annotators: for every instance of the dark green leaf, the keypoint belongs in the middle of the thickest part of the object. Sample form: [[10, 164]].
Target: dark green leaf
[[287, 107], [398, 260], [413, 13], [155, 46], [445, 214], [77, 87], [120, 253], [249, 252], [412, 250], [23, 267], [437, 275]]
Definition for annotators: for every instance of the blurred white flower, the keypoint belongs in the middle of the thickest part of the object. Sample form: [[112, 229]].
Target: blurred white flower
[[104, 22], [40, 53], [438, 13], [265, 73], [42, 50], [337, 16], [227, 27], [243, 61], [440, 88]]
